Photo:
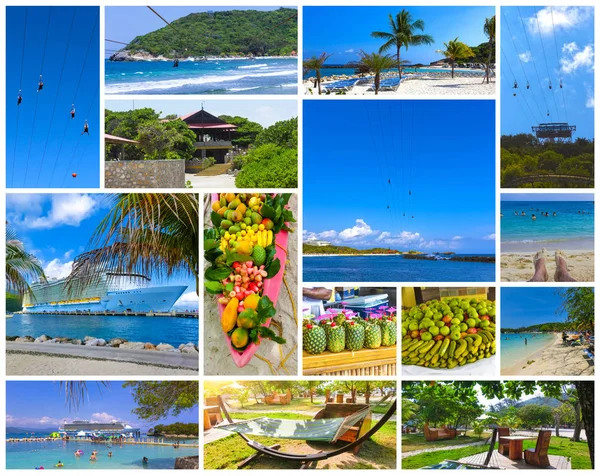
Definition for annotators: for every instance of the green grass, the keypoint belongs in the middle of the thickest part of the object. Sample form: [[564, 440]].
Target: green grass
[[578, 452], [275, 415], [417, 442], [297, 404], [227, 453]]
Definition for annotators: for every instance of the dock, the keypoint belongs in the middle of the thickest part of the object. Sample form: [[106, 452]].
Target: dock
[[123, 441], [184, 315]]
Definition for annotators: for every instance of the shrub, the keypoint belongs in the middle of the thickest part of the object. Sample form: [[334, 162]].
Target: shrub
[[269, 166]]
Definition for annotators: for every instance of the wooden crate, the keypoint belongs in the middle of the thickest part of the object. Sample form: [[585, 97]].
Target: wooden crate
[[364, 362]]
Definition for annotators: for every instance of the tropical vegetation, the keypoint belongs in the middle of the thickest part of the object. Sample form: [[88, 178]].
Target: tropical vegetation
[[309, 249], [489, 28], [21, 266], [377, 63], [153, 234], [187, 429], [403, 33], [316, 63], [579, 305], [158, 399], [223, 33], [527, 163], [456, 51]]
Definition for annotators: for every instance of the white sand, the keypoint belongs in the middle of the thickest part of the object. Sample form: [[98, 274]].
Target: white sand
[[518, 267], [217, 181]]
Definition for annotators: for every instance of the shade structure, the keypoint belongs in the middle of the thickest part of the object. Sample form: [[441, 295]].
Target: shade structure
[[326, 429]]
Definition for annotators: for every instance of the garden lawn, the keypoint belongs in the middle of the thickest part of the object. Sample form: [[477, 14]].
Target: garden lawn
[[377, 453], [577, 451], [414, 442], [297, 404]]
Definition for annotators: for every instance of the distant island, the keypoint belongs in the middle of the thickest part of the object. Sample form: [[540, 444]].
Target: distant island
[[329, 249], [547, 327], [234, 33]]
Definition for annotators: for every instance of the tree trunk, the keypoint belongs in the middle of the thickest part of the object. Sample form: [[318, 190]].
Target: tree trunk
[[376, 83], [368, 393], [319, 80], [577, 429], [557, 425], [487, 73], [399, 68], [585, 392], [452, 69]]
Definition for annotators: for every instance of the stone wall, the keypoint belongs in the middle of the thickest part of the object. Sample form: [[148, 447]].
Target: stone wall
[[145, 174]]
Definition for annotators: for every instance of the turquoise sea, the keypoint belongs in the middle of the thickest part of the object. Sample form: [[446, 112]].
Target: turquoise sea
[[513, 347], [350, 71], [572, 228], [35, 454], [168, 330], [232, 76], [393, 269]]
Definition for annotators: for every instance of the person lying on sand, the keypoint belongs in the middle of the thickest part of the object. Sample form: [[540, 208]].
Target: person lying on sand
[[540, 274]]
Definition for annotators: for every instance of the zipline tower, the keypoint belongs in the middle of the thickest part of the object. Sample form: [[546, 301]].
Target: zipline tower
[[554, 132]]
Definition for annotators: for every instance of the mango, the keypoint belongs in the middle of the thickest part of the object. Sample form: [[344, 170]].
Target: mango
[[247, 319], [226, 224], [236, 216], [221, 211], [239, 338], [241, 209], [216, 205], [234, 204], [251, 301], [230, 314], [256, 218], [230, 197]]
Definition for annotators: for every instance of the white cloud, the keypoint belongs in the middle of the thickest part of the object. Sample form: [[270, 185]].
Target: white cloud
[[574, 58], [559, 18], [188, 300], [491, 236], [589, 101], [33, 422], [65, 209], [360, 230], [58, 269], [103, 417], [456, 238], [525, 57], [351, 50]]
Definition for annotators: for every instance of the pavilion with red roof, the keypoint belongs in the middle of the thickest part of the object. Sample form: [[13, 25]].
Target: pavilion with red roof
[[213, 135]]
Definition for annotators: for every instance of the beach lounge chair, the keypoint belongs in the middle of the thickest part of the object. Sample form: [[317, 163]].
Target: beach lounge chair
[[336, 422], [502, 443], [539, 455]]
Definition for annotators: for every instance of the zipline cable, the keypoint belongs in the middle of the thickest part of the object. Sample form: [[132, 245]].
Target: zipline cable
[[546, 61], [558, 65], [62, 69], [520, 95], [36, 99], [12, 172]]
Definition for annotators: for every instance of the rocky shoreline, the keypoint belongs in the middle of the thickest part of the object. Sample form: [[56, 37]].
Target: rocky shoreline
[[188, 348], [470, 259], [145, 56]]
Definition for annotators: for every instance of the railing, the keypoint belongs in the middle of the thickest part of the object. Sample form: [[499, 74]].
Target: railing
[[213, 143]]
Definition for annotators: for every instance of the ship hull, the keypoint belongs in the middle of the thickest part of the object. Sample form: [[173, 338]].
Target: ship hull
[[151, 299]]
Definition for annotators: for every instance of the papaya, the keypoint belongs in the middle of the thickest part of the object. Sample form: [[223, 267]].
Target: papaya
[[229, 316], [239, 338]]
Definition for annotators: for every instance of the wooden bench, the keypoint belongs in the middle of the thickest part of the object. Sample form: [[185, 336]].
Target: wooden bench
[[442, 433]]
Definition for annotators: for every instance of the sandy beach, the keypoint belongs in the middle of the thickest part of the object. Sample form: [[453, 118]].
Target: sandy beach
[[518, 267], [555, 359]]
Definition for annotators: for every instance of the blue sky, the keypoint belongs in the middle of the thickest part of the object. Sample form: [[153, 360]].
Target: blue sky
[[547, 197], [558, 42], [49, 146], [42, 405], [349, 158], [522, 307], [125, 23], [344, 31], [57, 227], [266, 113]]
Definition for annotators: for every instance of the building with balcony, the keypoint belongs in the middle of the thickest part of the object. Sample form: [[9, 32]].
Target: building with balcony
[[213, 135]]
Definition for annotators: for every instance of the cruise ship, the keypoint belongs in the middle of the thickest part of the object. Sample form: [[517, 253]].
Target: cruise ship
[[90, 429], [110, 292]]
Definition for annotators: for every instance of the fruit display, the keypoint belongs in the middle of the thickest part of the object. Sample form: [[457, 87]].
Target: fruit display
[[243, 248], [342, 330], [449, 333]]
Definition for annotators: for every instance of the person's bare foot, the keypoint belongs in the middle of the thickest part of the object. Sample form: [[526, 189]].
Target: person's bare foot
[[562, 270], [540, 274]]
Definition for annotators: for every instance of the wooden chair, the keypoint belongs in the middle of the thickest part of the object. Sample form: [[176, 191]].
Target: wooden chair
[[214, 414], [539, 455], [503, 444]]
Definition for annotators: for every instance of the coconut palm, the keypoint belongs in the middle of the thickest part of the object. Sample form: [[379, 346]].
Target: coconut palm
[[402, 34], [489, 28], [316, 64], [377, 63], [21, 266], [152, 234], [456, 51]]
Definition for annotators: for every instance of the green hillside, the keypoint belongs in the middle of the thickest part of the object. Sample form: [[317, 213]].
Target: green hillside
[[309, 249], [235, 32], [547, 327]]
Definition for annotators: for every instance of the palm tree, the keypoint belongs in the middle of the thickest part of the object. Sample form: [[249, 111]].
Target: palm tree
[[21, 266], [489, 28], [455, 51], [153, 234], [377, 63], [409, 410], [402, 34], [316, 64]]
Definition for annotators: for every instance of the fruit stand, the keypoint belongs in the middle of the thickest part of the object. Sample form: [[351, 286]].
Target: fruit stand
[[364, 362]]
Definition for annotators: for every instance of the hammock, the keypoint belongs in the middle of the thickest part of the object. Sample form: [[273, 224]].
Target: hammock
[[325, 429]]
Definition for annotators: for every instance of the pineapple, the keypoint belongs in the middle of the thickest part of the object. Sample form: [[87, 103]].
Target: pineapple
[[355, 336], [372, 335], [336, 338], [340, 319], [388, 332], [314, 339]]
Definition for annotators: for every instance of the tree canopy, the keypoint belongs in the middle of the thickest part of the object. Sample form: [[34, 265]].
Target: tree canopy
[[158, 399], [579, 304]]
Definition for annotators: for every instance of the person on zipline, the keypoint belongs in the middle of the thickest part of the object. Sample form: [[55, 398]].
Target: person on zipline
[[40, 84], [86, 129], [19, 98], [72, 111]]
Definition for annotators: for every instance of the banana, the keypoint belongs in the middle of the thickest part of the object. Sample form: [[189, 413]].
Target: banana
[[434, 350], [452, 349], [426, 348], [444, 348], [462, 346]]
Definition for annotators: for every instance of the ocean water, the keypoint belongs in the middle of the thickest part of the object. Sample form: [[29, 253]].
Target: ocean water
[[393, 269], [350, 71], [513, 348], [168, 330], [569, 229], [243, 76], [48, 453]]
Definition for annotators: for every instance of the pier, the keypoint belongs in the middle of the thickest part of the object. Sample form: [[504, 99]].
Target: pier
[[114, 442], [184, 315]]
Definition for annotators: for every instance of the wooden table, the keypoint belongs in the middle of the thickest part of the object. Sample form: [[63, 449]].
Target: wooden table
[[515, 448], [207, 422]]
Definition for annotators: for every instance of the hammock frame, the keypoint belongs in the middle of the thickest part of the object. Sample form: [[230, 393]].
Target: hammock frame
[[307, 460]]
